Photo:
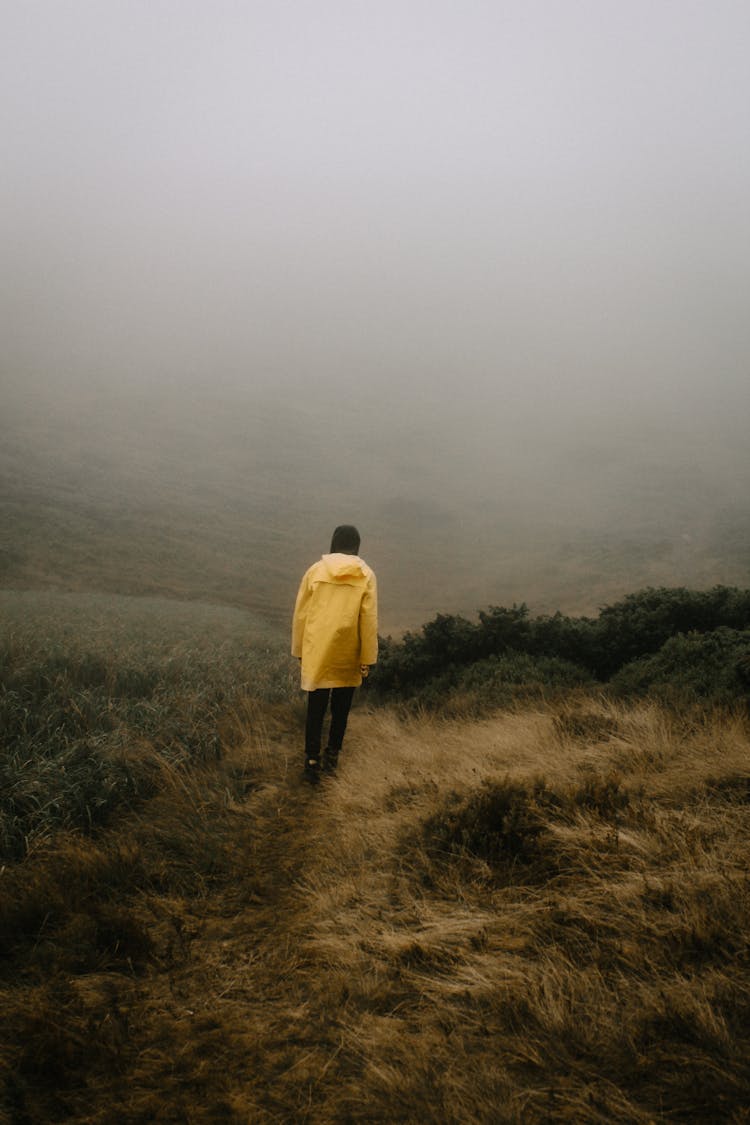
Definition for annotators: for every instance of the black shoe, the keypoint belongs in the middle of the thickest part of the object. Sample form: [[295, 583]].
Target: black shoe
[[330, 760], [312, 770]]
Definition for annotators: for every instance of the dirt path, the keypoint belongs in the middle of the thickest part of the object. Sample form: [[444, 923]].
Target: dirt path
[[239, 1030]]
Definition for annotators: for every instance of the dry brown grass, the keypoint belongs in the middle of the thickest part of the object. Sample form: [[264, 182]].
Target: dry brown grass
[[254, 951]]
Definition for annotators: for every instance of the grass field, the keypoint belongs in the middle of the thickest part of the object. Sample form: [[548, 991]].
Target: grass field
[[537, 916]]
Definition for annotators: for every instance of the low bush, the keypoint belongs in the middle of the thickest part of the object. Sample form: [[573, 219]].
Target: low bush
[[691, 668], [641, 623], [507, 824], [507, 655], [501, 823], [501, 680]]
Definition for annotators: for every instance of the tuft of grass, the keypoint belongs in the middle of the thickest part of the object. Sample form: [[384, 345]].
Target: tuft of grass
[[500, 822]]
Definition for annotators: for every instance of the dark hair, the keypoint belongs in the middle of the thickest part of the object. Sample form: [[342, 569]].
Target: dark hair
[[345, 540]]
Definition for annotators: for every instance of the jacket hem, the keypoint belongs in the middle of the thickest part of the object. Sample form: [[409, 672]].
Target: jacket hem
[[309, 685]]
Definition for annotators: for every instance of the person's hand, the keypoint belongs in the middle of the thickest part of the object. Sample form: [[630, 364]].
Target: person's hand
[[365, 670]]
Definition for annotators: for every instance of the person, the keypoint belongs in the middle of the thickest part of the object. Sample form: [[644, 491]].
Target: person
[[335, 636]]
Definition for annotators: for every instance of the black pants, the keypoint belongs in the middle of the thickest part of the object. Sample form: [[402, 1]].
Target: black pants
[[317, 704]]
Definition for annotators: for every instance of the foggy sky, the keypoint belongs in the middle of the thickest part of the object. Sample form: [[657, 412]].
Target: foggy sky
[[484, 228]]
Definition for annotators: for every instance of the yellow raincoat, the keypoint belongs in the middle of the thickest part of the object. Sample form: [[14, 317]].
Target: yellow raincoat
[[335, 627]]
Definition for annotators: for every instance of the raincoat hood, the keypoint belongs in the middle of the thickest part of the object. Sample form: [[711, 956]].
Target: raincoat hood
[[346, 566]]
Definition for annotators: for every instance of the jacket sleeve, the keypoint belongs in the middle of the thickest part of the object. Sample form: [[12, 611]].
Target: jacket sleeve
[[368, 624], [300, 615]]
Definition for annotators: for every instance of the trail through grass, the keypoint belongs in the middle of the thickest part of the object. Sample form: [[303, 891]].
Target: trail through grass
[[354, 953]]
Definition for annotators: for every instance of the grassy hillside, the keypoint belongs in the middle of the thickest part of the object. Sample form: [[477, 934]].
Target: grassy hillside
[[541, 915], [386, 949], [228, 497]]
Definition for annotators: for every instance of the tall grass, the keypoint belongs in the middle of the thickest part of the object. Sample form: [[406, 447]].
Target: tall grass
[[536, 916], [522, 923], [96, 691]]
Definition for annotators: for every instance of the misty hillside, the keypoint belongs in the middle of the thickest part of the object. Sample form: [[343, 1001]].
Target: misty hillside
[[226, 496], [474, 280]]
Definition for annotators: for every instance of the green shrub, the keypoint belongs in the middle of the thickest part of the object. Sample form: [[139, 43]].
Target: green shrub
[[496, 681], [502, 679], [507, 653], [692, 667], [642, 622]]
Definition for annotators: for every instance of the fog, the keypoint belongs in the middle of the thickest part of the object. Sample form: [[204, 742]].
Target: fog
[[475, 276]]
